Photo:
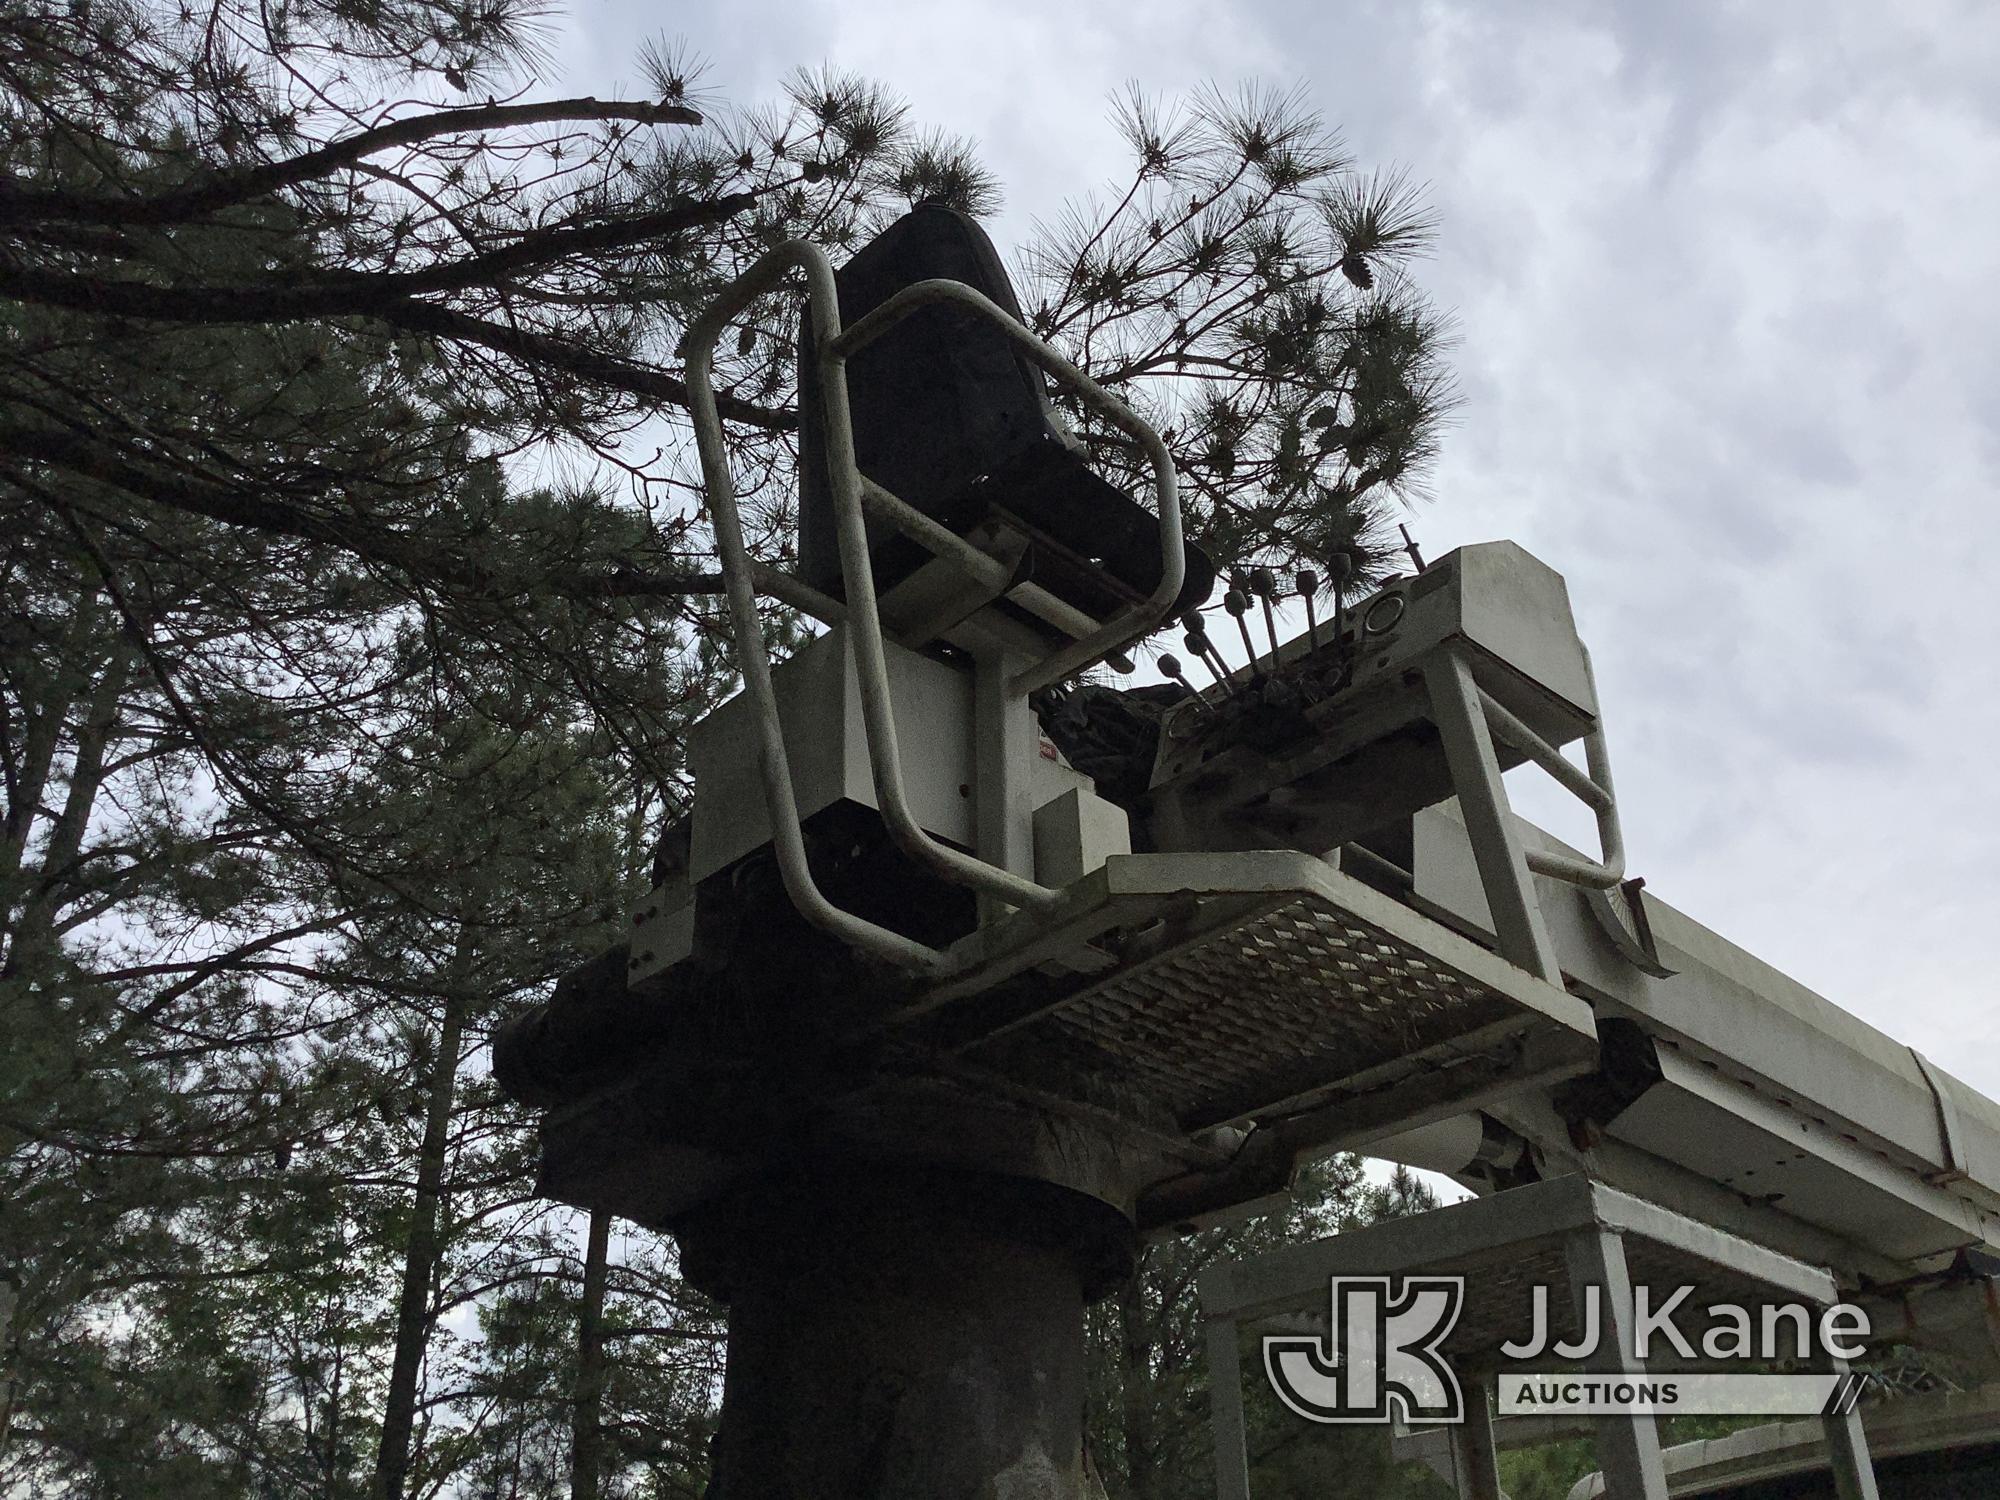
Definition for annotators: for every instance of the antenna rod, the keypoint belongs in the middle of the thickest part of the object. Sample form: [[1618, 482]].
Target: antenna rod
[[1410, 546], [1343, 568], [1170, 664], [1308, 583], [1198, 642], [1237, 602], [1266, 584]]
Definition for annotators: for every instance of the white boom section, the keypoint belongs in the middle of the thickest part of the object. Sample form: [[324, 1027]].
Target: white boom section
[[1824, 1135]]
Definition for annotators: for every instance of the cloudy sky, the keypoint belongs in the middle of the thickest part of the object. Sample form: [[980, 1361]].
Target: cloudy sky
[[1729, 284]]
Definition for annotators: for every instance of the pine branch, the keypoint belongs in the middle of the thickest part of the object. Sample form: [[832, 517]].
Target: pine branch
[[26, 205], [349, 293], [559, 354], [381, 298], [388, 546]]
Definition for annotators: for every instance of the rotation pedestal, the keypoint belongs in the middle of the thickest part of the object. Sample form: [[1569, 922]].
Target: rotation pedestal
[[900, 1333]]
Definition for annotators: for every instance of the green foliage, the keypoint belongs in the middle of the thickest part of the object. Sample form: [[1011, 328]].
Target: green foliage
[[1249, 291], [356, 602], [664, 1355]]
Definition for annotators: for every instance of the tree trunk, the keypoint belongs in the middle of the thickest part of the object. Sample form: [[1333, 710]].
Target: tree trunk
[[420, 1260], [41, 734], [9, 1301], [44, 899], [587, 1442], [1135, 1388]]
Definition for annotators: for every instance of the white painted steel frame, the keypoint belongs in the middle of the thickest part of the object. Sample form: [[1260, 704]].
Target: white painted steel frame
[[1496, 844], [1286, 1278]]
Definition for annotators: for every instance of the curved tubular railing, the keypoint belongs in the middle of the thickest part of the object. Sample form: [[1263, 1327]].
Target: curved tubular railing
[[739, 577], [857, 575], [1129, 624], [743, 577]]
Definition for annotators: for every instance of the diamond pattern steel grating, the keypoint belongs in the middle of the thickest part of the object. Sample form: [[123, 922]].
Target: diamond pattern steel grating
[[1252, 1013]]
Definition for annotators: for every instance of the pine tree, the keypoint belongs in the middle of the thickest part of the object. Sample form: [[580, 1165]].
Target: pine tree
[[357, 601]]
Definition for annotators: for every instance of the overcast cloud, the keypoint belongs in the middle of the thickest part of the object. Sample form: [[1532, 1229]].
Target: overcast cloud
[[1727, 281]]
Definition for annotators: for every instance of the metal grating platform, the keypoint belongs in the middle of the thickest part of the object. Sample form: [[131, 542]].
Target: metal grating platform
[[1267, 1010], [1270, 983]]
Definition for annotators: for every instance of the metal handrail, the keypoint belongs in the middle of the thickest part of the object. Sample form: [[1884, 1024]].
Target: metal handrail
[[853, 495], [871, 665], [739, 577], [1592, 787]]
